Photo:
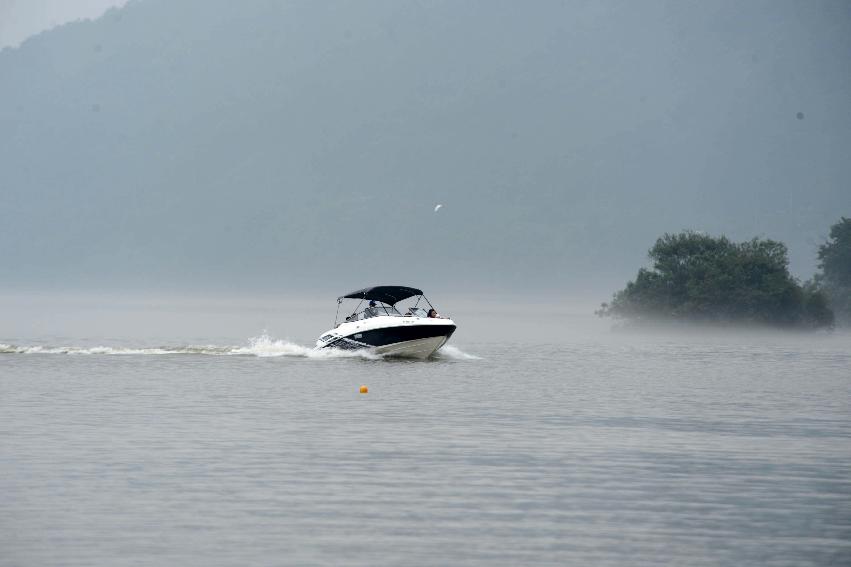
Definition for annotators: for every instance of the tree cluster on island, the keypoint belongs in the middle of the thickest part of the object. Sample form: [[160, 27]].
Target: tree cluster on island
[[835, 265], [701, 278]]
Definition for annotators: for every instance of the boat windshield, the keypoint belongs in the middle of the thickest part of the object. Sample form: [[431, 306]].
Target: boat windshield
[[378, 310], [381, 310], [387, 301]]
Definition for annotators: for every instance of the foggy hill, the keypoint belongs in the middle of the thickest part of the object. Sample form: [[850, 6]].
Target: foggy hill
[[279, 144]]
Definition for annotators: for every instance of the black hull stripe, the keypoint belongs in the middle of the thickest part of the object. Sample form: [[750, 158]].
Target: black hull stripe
[[392, 335]]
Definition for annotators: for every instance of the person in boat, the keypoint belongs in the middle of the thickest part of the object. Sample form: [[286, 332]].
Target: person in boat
[[372, 310], [432, 314]]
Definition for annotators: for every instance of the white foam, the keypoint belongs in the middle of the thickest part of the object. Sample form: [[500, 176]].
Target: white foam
[[266, 346], [454, 353], [262, 346], [42, 349]]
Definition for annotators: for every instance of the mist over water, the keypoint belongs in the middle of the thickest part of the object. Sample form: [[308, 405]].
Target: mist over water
[[231, 319]]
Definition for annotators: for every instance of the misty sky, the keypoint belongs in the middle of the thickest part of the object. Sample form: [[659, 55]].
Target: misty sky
[[271, 145], [19, 19]]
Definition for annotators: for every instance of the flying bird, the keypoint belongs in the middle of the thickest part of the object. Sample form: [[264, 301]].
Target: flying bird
[[437, 208]]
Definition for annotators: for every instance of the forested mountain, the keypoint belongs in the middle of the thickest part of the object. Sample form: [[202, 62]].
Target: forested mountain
[[275, 144]]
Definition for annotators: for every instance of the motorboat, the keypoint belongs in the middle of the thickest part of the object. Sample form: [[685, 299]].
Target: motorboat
[[389, 320]]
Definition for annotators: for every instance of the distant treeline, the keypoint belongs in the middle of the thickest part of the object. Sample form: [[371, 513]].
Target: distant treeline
[[697, 277]]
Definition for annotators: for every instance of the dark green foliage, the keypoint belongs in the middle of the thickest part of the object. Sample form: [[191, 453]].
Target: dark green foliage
[[817, 312], [835, 264], [697, 277]]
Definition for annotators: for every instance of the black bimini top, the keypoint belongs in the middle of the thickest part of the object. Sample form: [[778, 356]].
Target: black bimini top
[[389, 294]]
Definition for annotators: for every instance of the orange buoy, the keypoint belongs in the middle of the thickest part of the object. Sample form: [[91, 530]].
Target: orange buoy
[[364, 390]]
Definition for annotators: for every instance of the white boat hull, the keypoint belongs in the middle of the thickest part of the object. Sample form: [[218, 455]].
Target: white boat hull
[[409, 337], [419, 348]]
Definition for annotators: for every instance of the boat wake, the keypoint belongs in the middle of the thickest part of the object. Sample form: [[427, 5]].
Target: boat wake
[[266, 346], [450, 352], [263, 346]]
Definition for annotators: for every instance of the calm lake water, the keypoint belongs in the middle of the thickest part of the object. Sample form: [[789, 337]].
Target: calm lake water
[[608, 449]]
